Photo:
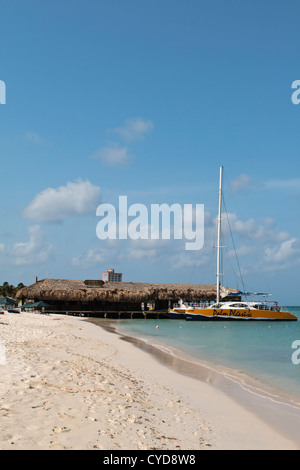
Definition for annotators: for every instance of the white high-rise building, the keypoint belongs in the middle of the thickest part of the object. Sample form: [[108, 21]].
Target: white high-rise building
[[111, 276]]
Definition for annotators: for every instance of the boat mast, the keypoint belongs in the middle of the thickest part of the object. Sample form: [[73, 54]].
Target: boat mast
[[219, 236]]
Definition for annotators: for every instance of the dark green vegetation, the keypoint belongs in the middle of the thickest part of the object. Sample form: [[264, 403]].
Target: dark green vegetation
[[8, 290]]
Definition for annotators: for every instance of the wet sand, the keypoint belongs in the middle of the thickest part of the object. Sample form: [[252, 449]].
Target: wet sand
[[278, 410]]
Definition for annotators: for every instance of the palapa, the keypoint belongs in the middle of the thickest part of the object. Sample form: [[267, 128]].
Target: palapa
[[76, 290]]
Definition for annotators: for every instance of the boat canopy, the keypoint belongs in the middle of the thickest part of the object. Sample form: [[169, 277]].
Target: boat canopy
[[247, 294]]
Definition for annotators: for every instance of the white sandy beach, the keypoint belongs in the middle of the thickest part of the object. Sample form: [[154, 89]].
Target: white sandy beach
[[69, 384]]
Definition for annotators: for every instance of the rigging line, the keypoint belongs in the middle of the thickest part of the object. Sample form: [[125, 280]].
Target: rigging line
[[261, 271], [234, 246]]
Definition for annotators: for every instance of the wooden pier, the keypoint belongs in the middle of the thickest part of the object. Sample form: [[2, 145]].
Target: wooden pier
[[117, 315]]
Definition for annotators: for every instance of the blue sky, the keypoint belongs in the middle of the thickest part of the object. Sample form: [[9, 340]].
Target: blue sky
[[147, 99]]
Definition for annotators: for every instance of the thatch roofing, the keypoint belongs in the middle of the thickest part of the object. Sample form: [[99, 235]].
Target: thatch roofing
[[72, 290]]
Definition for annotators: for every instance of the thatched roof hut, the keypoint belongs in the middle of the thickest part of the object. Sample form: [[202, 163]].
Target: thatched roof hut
[[64, 290]]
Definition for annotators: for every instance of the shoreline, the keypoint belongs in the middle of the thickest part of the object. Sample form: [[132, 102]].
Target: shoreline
[[276, 410], [68, 384], [202, 368]]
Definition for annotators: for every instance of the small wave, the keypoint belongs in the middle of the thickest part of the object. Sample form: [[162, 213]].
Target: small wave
[[214, 373], [262, 392]]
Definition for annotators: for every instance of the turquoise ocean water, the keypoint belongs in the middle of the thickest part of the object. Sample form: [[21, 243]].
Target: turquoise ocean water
[[261, 350]]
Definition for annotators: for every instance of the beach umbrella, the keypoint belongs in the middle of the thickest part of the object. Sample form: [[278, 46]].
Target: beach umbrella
[[7, 301], [40, 304]]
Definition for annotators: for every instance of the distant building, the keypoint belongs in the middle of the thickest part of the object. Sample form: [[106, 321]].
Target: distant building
[[111, 276]]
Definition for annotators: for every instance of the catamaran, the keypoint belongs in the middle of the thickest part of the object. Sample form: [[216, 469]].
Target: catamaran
[[234, 310], [240, 311], [179, 310]]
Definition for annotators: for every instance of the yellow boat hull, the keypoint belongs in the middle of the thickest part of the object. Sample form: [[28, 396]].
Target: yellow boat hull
[[238, 314]]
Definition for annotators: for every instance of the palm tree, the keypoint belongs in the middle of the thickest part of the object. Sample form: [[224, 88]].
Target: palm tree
[[8, 290]]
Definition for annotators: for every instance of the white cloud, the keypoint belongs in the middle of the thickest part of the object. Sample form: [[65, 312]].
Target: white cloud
[[243, 250], [134, 129], [263, 246], [245, 181], [291, 184], [108, 251], [139, 253], [113, 155], [242, 182], [287, 251], [150, 249], [55, 204], [34, 137], [90, 258], [33, 251], [264, 232]]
